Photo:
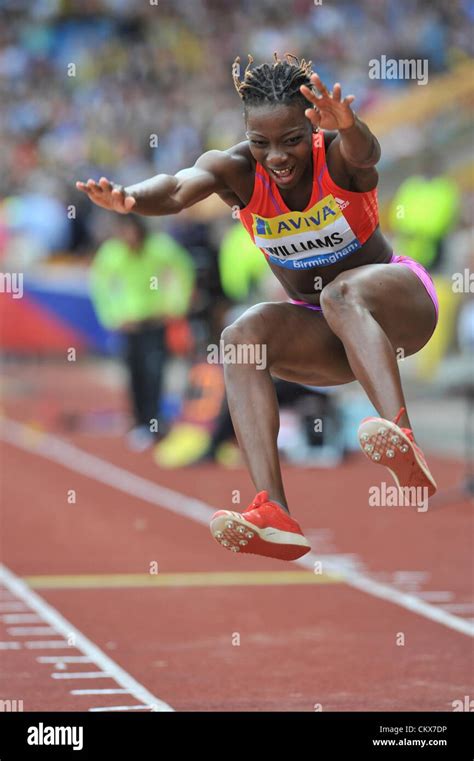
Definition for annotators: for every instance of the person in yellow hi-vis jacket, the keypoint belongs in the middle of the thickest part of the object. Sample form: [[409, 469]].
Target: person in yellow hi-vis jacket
[[137, 280], [241, 268], [423, 212]]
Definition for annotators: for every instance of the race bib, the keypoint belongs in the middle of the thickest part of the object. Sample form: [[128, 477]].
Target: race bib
[[300, 240]]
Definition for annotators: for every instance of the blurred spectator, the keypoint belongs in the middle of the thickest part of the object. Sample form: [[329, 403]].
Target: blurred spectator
[[138, 280], [423, 212], [209, 300], [241, 265]]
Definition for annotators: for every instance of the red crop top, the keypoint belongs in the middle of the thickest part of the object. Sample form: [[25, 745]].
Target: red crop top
[[334, 225]]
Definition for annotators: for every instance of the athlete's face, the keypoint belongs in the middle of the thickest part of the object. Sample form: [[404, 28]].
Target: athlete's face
[[280, 138]]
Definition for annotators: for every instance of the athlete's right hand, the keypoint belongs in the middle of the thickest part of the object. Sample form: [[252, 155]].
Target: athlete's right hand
[[108, 195]]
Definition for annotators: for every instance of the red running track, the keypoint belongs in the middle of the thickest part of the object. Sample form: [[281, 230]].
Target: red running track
[[387, 626]]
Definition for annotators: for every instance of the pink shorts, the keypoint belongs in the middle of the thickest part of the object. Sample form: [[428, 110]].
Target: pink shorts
[[417, 268]]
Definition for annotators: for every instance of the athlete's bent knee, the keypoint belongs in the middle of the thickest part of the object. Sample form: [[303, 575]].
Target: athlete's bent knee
[[246, 330], [341, 293]]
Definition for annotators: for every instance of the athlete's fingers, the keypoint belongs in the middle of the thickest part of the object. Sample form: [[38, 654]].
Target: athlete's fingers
[[97, 192], [87, 190], [86, 187], [314, 116], [93, 187], [118, 197], [105, 184], [117, 194], [129, 203], [349, 99], [337, 92], [309, 94], [316, 80]]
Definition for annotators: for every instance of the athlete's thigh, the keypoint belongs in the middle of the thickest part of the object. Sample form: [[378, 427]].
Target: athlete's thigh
[[398, 300], [300, 345]]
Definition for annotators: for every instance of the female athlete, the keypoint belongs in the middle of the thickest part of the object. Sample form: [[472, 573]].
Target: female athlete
[[305, 183]]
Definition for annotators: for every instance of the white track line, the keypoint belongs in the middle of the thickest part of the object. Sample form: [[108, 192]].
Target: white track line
[[100, 692], [20, 618], [47, 644], [459, 607], [10, 645], [62, 626], [63, 453], [27, 631], [119, 708], [81, 675], [64, 659], [409, 601], [436, 596]]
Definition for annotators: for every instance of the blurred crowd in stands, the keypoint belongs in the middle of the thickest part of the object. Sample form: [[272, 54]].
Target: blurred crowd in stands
[[132, 88]]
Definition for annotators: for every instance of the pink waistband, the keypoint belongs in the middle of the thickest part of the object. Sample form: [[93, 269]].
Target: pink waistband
[[305, 304], [422, 274]]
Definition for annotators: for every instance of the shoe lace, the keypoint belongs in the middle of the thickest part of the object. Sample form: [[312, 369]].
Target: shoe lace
[[261, 497], [407, 431]]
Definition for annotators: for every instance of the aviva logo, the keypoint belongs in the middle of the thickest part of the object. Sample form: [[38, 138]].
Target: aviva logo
[[314, 238], [319, 216], [262, 227]]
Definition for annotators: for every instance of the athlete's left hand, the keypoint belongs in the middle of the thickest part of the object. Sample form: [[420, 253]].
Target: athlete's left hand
[[330, 110]]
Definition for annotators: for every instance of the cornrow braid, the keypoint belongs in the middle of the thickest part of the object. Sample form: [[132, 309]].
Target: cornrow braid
[[279, 83]]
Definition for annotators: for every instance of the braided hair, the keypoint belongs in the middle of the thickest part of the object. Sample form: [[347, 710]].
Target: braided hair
[[279, 83]]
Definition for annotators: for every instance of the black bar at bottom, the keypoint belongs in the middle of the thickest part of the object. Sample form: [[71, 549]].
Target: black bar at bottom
[[152, 735]]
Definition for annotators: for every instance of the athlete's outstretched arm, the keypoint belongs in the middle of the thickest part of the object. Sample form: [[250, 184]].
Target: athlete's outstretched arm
[[164, 193]]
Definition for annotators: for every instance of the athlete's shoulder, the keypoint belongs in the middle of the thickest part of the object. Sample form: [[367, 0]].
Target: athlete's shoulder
[[231, 160], [234, 168], [242, 153], [241, 162]]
